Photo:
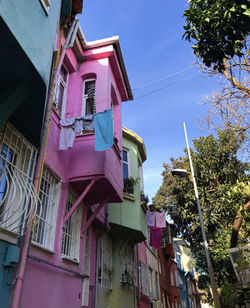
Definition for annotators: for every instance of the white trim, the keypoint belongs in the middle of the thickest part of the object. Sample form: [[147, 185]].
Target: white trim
[[65, 86]]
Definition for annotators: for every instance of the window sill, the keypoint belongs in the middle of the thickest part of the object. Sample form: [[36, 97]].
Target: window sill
[[40, 247], [69, 260], [128, 196]]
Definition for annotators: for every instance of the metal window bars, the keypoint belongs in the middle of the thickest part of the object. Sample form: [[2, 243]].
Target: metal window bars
[[44, 230], [71, 232], [144, 279], [106, 261], [18, 198]]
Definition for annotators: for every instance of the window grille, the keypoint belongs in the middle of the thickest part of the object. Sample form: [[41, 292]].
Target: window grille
[[87, 253], [89, 104], [18, 198], [72, 229], [144, 279], [44, 230], [106, 261], [127, 266]]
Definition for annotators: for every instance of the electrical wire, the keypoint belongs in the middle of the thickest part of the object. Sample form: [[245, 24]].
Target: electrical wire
[[151, 92]]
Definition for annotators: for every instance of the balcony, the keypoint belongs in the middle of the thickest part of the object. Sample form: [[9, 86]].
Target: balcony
[[82, 164]]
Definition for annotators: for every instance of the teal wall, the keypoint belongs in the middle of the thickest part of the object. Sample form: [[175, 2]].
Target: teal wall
[[129, 213], [34, 30], [6, 274]]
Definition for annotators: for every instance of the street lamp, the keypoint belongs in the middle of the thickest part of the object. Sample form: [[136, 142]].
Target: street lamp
[[182, 173]]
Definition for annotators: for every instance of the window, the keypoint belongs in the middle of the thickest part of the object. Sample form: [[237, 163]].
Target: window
[[45, 221], [61, 91], [176, 279], [17, 161], [87, 253], [127, 265], [125, 163], [106, 261], [89, 103], [172, 279], [72, 229]]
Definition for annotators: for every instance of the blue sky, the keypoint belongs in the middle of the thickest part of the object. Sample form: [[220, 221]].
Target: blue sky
[[166, 87]]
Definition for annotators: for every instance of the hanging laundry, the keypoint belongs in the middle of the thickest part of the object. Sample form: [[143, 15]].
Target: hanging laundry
[[155, 237], [104, 135], [160, 220], [67, 134], [88, 123], [78, 125], [150, 218]]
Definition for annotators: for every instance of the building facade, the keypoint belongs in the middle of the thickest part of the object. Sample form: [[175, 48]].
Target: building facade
[[118, 257]]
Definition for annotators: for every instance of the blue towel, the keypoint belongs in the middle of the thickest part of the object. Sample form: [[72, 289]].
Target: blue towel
[[104, 133]]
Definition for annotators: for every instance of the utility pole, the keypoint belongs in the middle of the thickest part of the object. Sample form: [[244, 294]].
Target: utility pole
[[209, 263]]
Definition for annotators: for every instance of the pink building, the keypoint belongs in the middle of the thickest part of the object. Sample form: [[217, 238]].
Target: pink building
[[78, 182]]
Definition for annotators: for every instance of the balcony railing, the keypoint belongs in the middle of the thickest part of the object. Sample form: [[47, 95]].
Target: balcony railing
[[18, 197]]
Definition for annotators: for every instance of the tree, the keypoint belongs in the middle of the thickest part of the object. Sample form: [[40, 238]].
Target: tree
[[218, 28], [219, 174], [229, 107]]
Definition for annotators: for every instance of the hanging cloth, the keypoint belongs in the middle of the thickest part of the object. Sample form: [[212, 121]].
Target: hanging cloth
[[160, 220], [67, 134], [155, 237], [104, 134], [150, 218]]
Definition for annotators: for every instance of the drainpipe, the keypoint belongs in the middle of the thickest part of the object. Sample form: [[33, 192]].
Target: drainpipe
[[40, 160]]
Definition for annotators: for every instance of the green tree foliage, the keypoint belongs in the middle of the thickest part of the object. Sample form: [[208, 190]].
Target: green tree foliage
[[218, 29], [222, 181]]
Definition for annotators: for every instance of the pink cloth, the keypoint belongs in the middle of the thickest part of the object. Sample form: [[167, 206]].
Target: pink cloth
[[150, 218], [155, 237], [160, 220]]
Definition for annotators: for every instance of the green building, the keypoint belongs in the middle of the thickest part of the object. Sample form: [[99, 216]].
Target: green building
[[117, 255]]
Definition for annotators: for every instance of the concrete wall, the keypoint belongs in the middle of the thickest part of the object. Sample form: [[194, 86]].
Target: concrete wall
[[34, 30]]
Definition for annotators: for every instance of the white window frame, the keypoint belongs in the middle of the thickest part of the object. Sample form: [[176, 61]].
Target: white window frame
[[128, 162], [65, 86], [45, 220], [106, 261], [144, 279], [72, 230], [85, 96]]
